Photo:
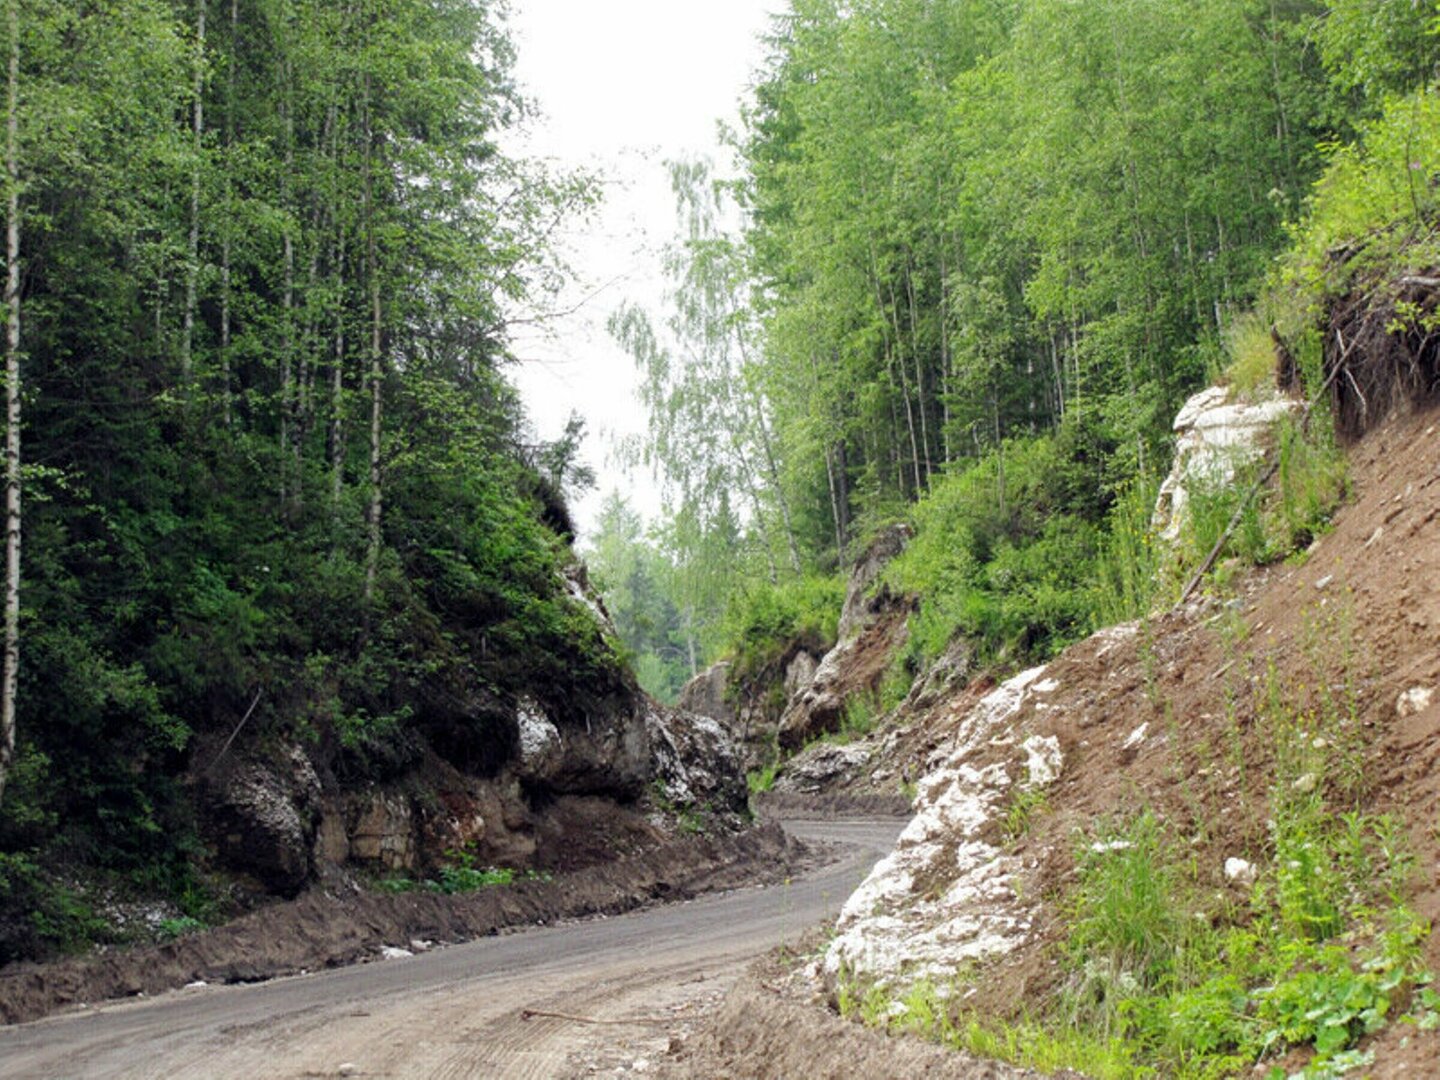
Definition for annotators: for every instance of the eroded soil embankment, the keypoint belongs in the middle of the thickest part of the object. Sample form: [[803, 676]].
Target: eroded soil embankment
[[321, 930], [768, 1029]]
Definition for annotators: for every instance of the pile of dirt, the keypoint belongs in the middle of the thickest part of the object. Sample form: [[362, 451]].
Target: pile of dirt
[[321, 930], [771, 1026]]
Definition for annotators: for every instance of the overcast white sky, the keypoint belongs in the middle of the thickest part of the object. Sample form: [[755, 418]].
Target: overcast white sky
[[625, 86]]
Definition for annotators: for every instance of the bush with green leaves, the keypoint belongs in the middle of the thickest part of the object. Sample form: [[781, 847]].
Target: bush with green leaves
[[763, 621]]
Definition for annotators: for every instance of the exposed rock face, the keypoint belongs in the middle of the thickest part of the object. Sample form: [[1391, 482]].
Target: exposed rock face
[[1216, 437], [800, 673], [945, 895], [860, 605], [816, 767], [609, 754], [382, 832], [486, 778], [705, 694], [855, 666], [697, 759], [947, 676], [872, 627], [540, 747], [263, 816]]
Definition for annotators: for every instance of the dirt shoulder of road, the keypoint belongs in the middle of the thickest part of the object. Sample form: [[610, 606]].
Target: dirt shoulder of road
[[771, 1026], [323, 929]]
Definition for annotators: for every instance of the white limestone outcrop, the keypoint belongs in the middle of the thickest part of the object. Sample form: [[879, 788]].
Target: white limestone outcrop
[[1216, 436]]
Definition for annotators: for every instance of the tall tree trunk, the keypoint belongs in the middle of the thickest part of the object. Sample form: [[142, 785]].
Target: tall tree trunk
[[945, 372], [919, 370], [192, 268], [767, 448], [287, 297], [225, 307], [337, 379], [898, 360], [372, 515], [12, 402]]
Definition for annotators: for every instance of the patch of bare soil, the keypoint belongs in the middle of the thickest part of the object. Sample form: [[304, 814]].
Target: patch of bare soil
[[771, 1025], [325, 929]]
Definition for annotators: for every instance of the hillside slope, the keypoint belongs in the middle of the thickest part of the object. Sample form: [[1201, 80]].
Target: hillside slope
[[1269, 745]]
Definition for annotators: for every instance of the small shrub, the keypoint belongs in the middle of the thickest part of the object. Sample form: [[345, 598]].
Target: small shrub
[[1026, 804], [763, 620], [169, 929], [762, 779]]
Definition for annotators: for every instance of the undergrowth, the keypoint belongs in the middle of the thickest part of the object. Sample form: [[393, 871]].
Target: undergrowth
[[461, 874]]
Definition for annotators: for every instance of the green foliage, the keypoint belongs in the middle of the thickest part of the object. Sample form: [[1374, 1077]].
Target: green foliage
[[637, 582], [1002, 555], [460, 874], [1126, 930], [1025, 805], [763, 621], [179, 926], [1130, 566], [37, 906], [924, 1011], [1251, 352], [1374, 203], [1309, 485], [762, 780]]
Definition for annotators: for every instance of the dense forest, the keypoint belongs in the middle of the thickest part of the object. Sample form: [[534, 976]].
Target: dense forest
[[262, 254], [985, 249]]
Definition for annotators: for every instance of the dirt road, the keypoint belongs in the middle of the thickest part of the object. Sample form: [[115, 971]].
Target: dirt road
[[457, 1012]]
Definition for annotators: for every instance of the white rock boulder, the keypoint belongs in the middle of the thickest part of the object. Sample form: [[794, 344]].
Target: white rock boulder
[[1216, 436]]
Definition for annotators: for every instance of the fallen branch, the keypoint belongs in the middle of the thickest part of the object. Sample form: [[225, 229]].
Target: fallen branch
[[226, 748], [1270, 471], [531, 1014]]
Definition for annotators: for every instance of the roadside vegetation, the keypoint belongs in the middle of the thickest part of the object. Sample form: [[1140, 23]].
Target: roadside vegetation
[[460, 874], [1312, 945], [277, 490]]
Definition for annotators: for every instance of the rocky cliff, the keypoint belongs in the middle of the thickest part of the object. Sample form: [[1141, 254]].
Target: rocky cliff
[[495, 789]]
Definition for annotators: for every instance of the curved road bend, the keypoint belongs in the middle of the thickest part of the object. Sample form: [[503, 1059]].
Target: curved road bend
[[455, 1012]]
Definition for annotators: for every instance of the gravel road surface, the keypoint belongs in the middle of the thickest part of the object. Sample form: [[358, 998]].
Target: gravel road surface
[[472, 1010]]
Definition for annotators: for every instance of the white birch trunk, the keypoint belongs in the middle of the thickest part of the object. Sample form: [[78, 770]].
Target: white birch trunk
[[192, 269], [12, 405]]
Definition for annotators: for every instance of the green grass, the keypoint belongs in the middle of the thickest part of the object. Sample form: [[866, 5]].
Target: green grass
[[762, 780], [1025, 805], [1251, 352], [461, 875]]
